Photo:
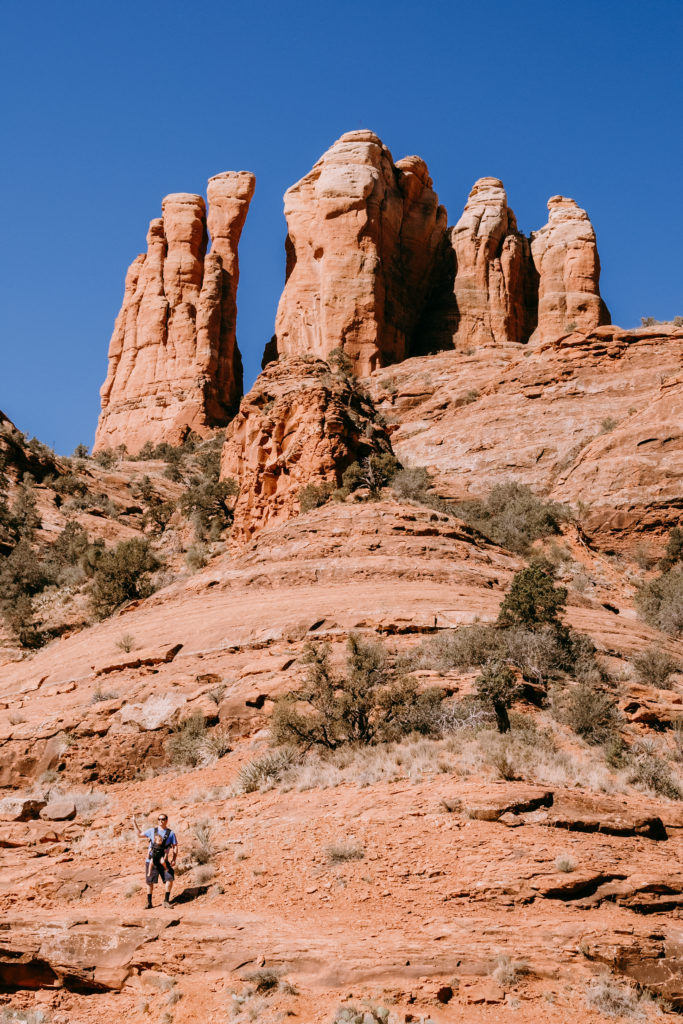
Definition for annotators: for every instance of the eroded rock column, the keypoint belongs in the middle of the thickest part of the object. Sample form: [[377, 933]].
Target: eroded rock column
[[174, 365], [363, 237], [565, 254], [495, 280]]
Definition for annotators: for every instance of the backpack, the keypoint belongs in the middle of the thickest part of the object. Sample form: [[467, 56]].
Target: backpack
[[159, 841]]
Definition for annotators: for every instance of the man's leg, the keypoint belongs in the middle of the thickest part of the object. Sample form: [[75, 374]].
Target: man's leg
[[150, 884], [168, 880]]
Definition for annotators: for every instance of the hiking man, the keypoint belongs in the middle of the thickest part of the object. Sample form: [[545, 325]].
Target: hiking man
[[161, 857]]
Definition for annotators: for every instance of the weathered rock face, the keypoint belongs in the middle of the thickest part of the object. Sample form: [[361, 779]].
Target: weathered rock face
[[565, 254], [495, 280], [174, 365], [300, 424], [364, 240]]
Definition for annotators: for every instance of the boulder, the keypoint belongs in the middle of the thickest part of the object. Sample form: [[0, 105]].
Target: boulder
[[17, 808], [59, 810]]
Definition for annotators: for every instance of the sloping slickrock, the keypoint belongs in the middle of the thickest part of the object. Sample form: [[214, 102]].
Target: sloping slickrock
[[594, 418], [364, 240], [565, 254], [300, 424], [173, 361], [495, 279]]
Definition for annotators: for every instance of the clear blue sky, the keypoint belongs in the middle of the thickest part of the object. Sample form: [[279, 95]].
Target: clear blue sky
[[106, 107]]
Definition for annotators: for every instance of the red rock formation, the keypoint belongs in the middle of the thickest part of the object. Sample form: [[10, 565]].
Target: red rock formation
[[495, 281], [364, 234], [173, 361], [565, 253], [299, 424]]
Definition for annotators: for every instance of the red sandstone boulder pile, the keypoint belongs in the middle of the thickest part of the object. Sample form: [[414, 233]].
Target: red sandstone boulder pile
[[495, 280], [300, 424], [566, 257], [174, 365], [363, 245]]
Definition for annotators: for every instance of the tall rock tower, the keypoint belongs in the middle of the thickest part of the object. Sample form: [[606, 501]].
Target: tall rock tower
[[565, 253], [364, 234], [174, 365], [495, 282]]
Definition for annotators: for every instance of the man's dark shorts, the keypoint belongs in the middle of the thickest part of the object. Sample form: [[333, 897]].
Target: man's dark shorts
[[154, 872]]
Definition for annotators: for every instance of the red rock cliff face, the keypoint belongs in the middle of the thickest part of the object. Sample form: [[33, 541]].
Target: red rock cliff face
[[364, 237], [299, 424], [565, 254], [174, 365], [495, 281]]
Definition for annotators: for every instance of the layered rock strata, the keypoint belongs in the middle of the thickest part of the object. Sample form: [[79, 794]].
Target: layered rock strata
[[174, 365], [363, 244], [565, 255], [300, 424], [495, 284]]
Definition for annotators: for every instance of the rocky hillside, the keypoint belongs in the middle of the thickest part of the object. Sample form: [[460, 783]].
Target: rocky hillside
[[395, 639]]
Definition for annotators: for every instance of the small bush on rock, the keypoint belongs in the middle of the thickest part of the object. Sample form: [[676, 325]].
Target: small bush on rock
[[654, 667], [264, 771], [514, 516], [660, 600], [591, 712], [315, 495]]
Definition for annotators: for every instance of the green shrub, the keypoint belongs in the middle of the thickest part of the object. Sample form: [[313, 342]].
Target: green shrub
[[186, 743], [374, 472], [24, 510], [81, 451], [513, 516], [206, 503], [266, 770], [652, 772], [497, 688], [314, 496], [412, 484], [339, 362], [654, 667], [105, 458], [364, 705], [660, 600], [533, 600], [122, 574], [591, 712], [674, 549]]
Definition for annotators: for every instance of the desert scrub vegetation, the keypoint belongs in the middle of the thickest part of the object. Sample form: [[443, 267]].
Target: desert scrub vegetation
[[315, 496], [659, 600], [365, 704], [614, 999], [192, 743], [28, 571], [513, 516], [344, 850], [655, 667], [266, 771], [123, 573]]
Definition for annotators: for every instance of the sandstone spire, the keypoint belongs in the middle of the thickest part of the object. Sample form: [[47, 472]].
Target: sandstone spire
[[565, 254], [363, 236], [174, 365], [494, 277]]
